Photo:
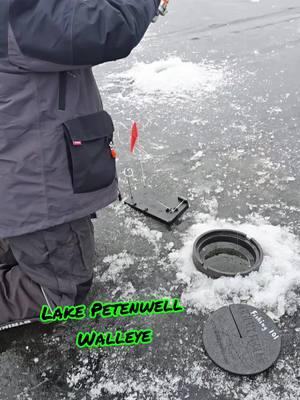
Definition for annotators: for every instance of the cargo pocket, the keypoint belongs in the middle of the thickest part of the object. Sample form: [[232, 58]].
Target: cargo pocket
[[91, 157]]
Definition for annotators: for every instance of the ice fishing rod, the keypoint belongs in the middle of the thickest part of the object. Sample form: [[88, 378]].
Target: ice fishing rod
[[162, 9]]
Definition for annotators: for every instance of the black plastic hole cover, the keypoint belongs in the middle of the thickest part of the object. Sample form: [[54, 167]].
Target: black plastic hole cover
[[226, 253], [242, 339]]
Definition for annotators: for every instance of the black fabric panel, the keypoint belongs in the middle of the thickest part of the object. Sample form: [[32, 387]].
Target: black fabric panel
[[82, 291], [62, 90], [3, 28], [90, 127], [43, 28], [91, 164], [7, 258]]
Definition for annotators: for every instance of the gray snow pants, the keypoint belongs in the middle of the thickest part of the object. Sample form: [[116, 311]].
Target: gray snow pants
[[52, 266]]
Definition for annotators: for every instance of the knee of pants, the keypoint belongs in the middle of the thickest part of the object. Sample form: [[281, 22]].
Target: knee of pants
[[60, 258], [76, 296]]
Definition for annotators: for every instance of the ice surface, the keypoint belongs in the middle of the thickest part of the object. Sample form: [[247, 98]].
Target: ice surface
[[223, 74], [273, 288], [165, 385]]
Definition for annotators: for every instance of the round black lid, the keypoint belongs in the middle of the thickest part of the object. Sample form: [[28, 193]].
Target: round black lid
[[242, 339], [226, 252]]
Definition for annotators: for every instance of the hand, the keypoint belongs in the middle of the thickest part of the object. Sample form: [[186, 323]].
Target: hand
[[162, 9]]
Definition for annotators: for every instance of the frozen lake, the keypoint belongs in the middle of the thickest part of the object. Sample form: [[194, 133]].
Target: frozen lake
[[215, 90]]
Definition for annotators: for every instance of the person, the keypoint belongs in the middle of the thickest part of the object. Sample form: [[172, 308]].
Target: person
[[57, 157]]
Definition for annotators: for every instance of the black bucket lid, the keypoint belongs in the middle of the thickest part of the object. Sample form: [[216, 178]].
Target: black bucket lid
[[226, 252]]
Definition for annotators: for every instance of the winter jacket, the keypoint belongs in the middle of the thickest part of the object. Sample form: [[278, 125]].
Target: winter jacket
[[56, 163]]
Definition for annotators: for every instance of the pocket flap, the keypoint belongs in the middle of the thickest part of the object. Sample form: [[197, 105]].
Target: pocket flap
[[90, 127]]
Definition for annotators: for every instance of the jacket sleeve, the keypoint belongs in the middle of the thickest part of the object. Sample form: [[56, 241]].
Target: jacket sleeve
[[80, 32]]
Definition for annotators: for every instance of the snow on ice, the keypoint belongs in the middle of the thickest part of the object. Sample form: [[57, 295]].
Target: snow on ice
[[273, 288], [168, 77]]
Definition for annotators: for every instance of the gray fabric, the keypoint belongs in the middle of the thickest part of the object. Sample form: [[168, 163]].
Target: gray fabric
[[59, 259], [80, 31], [36, 186], [42, 220], [20, 297], [7, 258]]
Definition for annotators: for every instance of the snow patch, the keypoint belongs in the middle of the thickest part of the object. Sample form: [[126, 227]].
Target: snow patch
[[138, 228], [117, 263], [273, 288], [197, 156], [173, 76]]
